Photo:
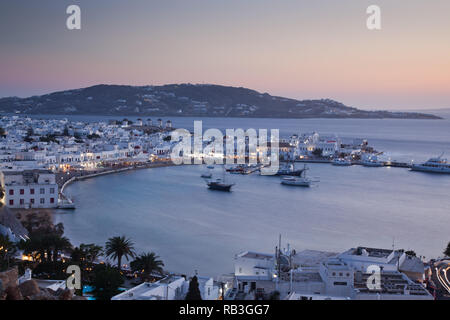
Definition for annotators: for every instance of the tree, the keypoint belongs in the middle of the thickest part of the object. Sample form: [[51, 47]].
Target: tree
[[411, 253], [91, 251], [7, 251], [106, 281], [194, 291], [275, 295], [66, 132], [317, 152], [447, 250], [147, 263], [118, 247]]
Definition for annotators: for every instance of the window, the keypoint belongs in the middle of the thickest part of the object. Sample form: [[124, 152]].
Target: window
[[31, 191], [42, 191], [52, 200], [52, 190], [31, 201], [42, 200], [340, 283], [11, 202], [11, 192], [22, 201], [22, 191]]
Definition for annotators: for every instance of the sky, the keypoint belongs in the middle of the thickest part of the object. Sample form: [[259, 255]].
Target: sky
[[293, 48]]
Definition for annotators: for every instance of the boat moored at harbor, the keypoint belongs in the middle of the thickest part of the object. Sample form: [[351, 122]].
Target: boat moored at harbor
[[342, 162], [434, 165]]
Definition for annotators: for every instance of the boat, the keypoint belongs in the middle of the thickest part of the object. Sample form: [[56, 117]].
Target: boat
[[297, 181], [434, 165], [243, 169], [210, 167], [372, 162], [66, 203], [289, 170], [342, 162], [220, 184], [206, 176]]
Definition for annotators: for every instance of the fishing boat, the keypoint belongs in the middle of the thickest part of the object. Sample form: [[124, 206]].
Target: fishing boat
[[434, 165]]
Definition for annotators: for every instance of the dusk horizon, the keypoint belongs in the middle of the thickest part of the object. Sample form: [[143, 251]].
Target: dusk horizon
[[293, 49]]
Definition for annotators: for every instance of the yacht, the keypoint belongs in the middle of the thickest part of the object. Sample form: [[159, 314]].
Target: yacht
[[342, 162], [436, 165]]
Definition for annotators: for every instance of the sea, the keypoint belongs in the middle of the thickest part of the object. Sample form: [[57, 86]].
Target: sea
[[170, 210]]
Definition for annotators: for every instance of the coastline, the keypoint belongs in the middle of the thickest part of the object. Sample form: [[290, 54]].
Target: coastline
[[78, 176]]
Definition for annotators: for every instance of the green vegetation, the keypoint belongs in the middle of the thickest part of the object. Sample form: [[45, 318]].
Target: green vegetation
[[147, 263], [7, 252], [47, 243], [106, 281], [118, 247], [193, 291], [317, 152]]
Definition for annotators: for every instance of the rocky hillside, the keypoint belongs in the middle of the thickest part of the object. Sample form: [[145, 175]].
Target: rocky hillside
[[187, 100]]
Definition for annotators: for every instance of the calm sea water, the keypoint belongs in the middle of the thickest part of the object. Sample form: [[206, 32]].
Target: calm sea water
[[170, 210]]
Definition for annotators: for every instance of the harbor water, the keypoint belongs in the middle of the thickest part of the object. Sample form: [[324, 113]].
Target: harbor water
[[170, 210]]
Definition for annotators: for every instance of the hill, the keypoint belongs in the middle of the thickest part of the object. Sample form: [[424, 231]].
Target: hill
[[187, 100]]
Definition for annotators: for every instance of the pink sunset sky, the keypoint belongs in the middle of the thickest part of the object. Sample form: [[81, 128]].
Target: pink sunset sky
[[293, 48]]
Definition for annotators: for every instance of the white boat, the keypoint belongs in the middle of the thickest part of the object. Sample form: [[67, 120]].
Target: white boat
[[296, 181], [342, 162], [372, 162], [435, 165], [66, 203]]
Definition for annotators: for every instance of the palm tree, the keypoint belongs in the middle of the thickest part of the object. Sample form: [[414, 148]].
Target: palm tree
[[91, 251], [118, 247], [147, 263]]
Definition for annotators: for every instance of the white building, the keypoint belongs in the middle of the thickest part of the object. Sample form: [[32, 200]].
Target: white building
[[320, 275], [29, 189], [170, 288]]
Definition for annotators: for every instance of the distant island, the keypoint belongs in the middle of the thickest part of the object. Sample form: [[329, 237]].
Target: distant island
[[188, 100]]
